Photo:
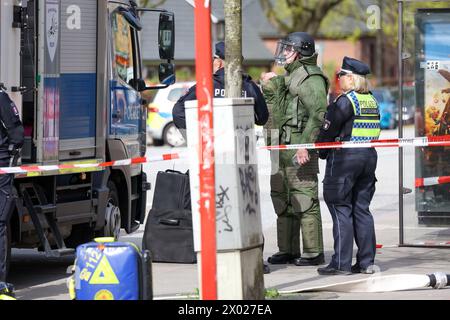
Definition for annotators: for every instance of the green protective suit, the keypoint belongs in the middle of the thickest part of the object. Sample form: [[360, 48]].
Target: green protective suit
[[297, 103]]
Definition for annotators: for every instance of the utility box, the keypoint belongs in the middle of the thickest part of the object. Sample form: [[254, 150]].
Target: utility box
[[238, 215]]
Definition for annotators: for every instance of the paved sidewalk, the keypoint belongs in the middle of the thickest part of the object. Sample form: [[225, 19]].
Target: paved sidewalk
[[171, 280]]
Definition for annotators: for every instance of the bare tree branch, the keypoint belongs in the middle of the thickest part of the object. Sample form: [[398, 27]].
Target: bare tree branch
[[275, 20], [300, 15]]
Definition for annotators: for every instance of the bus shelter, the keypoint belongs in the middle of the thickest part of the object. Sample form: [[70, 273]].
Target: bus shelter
[[424, 90]]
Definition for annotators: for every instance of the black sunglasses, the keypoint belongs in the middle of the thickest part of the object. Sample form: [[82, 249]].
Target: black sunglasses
[[341, 74]]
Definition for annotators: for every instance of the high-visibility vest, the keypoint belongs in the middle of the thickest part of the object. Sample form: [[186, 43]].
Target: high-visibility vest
[[366, 125], [6, 291]]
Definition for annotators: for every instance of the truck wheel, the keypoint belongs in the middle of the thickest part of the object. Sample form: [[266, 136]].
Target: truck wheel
[[112, 214]]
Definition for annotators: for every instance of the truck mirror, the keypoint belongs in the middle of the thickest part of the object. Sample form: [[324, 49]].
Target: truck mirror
[[131, 18], [138, 84], [167, 73], [166, 78], [166, 35]]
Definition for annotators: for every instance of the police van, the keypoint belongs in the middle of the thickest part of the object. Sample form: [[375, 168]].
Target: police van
[[74, 70]]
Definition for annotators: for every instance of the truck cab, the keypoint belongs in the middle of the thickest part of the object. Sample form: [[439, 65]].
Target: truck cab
[[74, 70]]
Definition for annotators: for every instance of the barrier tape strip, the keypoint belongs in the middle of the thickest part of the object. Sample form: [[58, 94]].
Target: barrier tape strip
[[392, 143], [126, 162], [432, 181], [443, 141]]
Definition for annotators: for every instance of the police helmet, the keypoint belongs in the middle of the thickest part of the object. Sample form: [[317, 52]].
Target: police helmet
[[300, 42]]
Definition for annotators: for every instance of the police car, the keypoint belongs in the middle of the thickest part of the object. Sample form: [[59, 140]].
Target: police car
[[160, 126]]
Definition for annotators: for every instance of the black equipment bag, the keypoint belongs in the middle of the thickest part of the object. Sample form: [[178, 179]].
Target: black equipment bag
[[168, 231], [172, 191]]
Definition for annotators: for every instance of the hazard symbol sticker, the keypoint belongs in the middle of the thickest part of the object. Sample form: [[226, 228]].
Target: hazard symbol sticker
[[104, 273], [104, 295]]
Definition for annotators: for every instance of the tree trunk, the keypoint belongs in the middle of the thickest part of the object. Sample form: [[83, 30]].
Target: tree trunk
[[233, 51]]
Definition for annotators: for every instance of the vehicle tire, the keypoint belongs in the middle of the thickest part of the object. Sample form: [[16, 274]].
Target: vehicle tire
[[112, 213], [158, 142], [172, 136]]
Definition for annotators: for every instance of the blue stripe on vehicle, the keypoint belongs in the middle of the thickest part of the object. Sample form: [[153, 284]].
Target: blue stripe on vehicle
[[77, 105], [165, 115]]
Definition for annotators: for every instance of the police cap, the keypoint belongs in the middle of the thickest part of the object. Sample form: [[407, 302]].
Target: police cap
[[350, 65], [220, 50]]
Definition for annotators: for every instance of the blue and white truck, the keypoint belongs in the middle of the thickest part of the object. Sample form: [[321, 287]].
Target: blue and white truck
[[74, 69]]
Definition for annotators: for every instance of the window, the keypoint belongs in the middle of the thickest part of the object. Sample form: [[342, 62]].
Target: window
[[175, 94], [123, 47]]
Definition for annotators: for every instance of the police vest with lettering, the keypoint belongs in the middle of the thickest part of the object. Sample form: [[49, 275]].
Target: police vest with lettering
[[366, 125]]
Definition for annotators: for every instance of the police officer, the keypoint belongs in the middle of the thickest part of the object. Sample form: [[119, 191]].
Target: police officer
[[250, 90], [11, 140], [349, 182], [297, 103]]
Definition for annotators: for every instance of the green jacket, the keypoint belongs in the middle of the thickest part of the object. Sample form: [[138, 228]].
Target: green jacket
[[297, 103]]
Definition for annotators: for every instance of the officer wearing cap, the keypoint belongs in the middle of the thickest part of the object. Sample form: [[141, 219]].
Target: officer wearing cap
[[349, 183], [249, 90], [11, 140]]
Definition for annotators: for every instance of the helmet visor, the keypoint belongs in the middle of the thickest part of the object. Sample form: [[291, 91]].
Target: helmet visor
[[284, 51]]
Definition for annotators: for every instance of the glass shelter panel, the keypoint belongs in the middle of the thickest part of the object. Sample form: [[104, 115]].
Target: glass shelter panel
[[426, 95]]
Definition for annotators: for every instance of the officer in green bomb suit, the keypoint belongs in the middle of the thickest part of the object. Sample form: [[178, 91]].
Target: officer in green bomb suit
[[297, 103]]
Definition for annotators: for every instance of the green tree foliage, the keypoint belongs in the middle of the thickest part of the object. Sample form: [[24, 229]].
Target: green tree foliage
[[342, 19], [298, 15]]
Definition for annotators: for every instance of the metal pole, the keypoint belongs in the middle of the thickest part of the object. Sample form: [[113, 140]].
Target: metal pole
[[400, 120], [203, 58]]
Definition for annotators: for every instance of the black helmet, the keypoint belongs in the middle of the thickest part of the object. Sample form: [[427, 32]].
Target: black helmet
[[300, 42], [303, 43]]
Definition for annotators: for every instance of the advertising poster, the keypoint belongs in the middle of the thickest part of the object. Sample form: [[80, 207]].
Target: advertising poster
[[433, 97], [437, 98]]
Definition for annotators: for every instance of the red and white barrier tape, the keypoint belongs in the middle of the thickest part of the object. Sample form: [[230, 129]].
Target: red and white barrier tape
[[404, 142], [431, 181], [126, 162], [388, 143]]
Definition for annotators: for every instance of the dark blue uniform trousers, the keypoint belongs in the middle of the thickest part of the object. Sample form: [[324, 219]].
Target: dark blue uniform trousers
[[348, 188], [5, 212]]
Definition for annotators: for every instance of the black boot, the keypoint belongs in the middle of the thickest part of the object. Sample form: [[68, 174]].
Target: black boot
[[282, 258], [356, 268], [320, 259], [331, 271]]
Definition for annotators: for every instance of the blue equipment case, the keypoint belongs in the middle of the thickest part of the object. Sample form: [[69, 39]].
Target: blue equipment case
[[106, 270]]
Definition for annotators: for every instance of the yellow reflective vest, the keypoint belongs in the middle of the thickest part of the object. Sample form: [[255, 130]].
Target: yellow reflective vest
[[366, 125]]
